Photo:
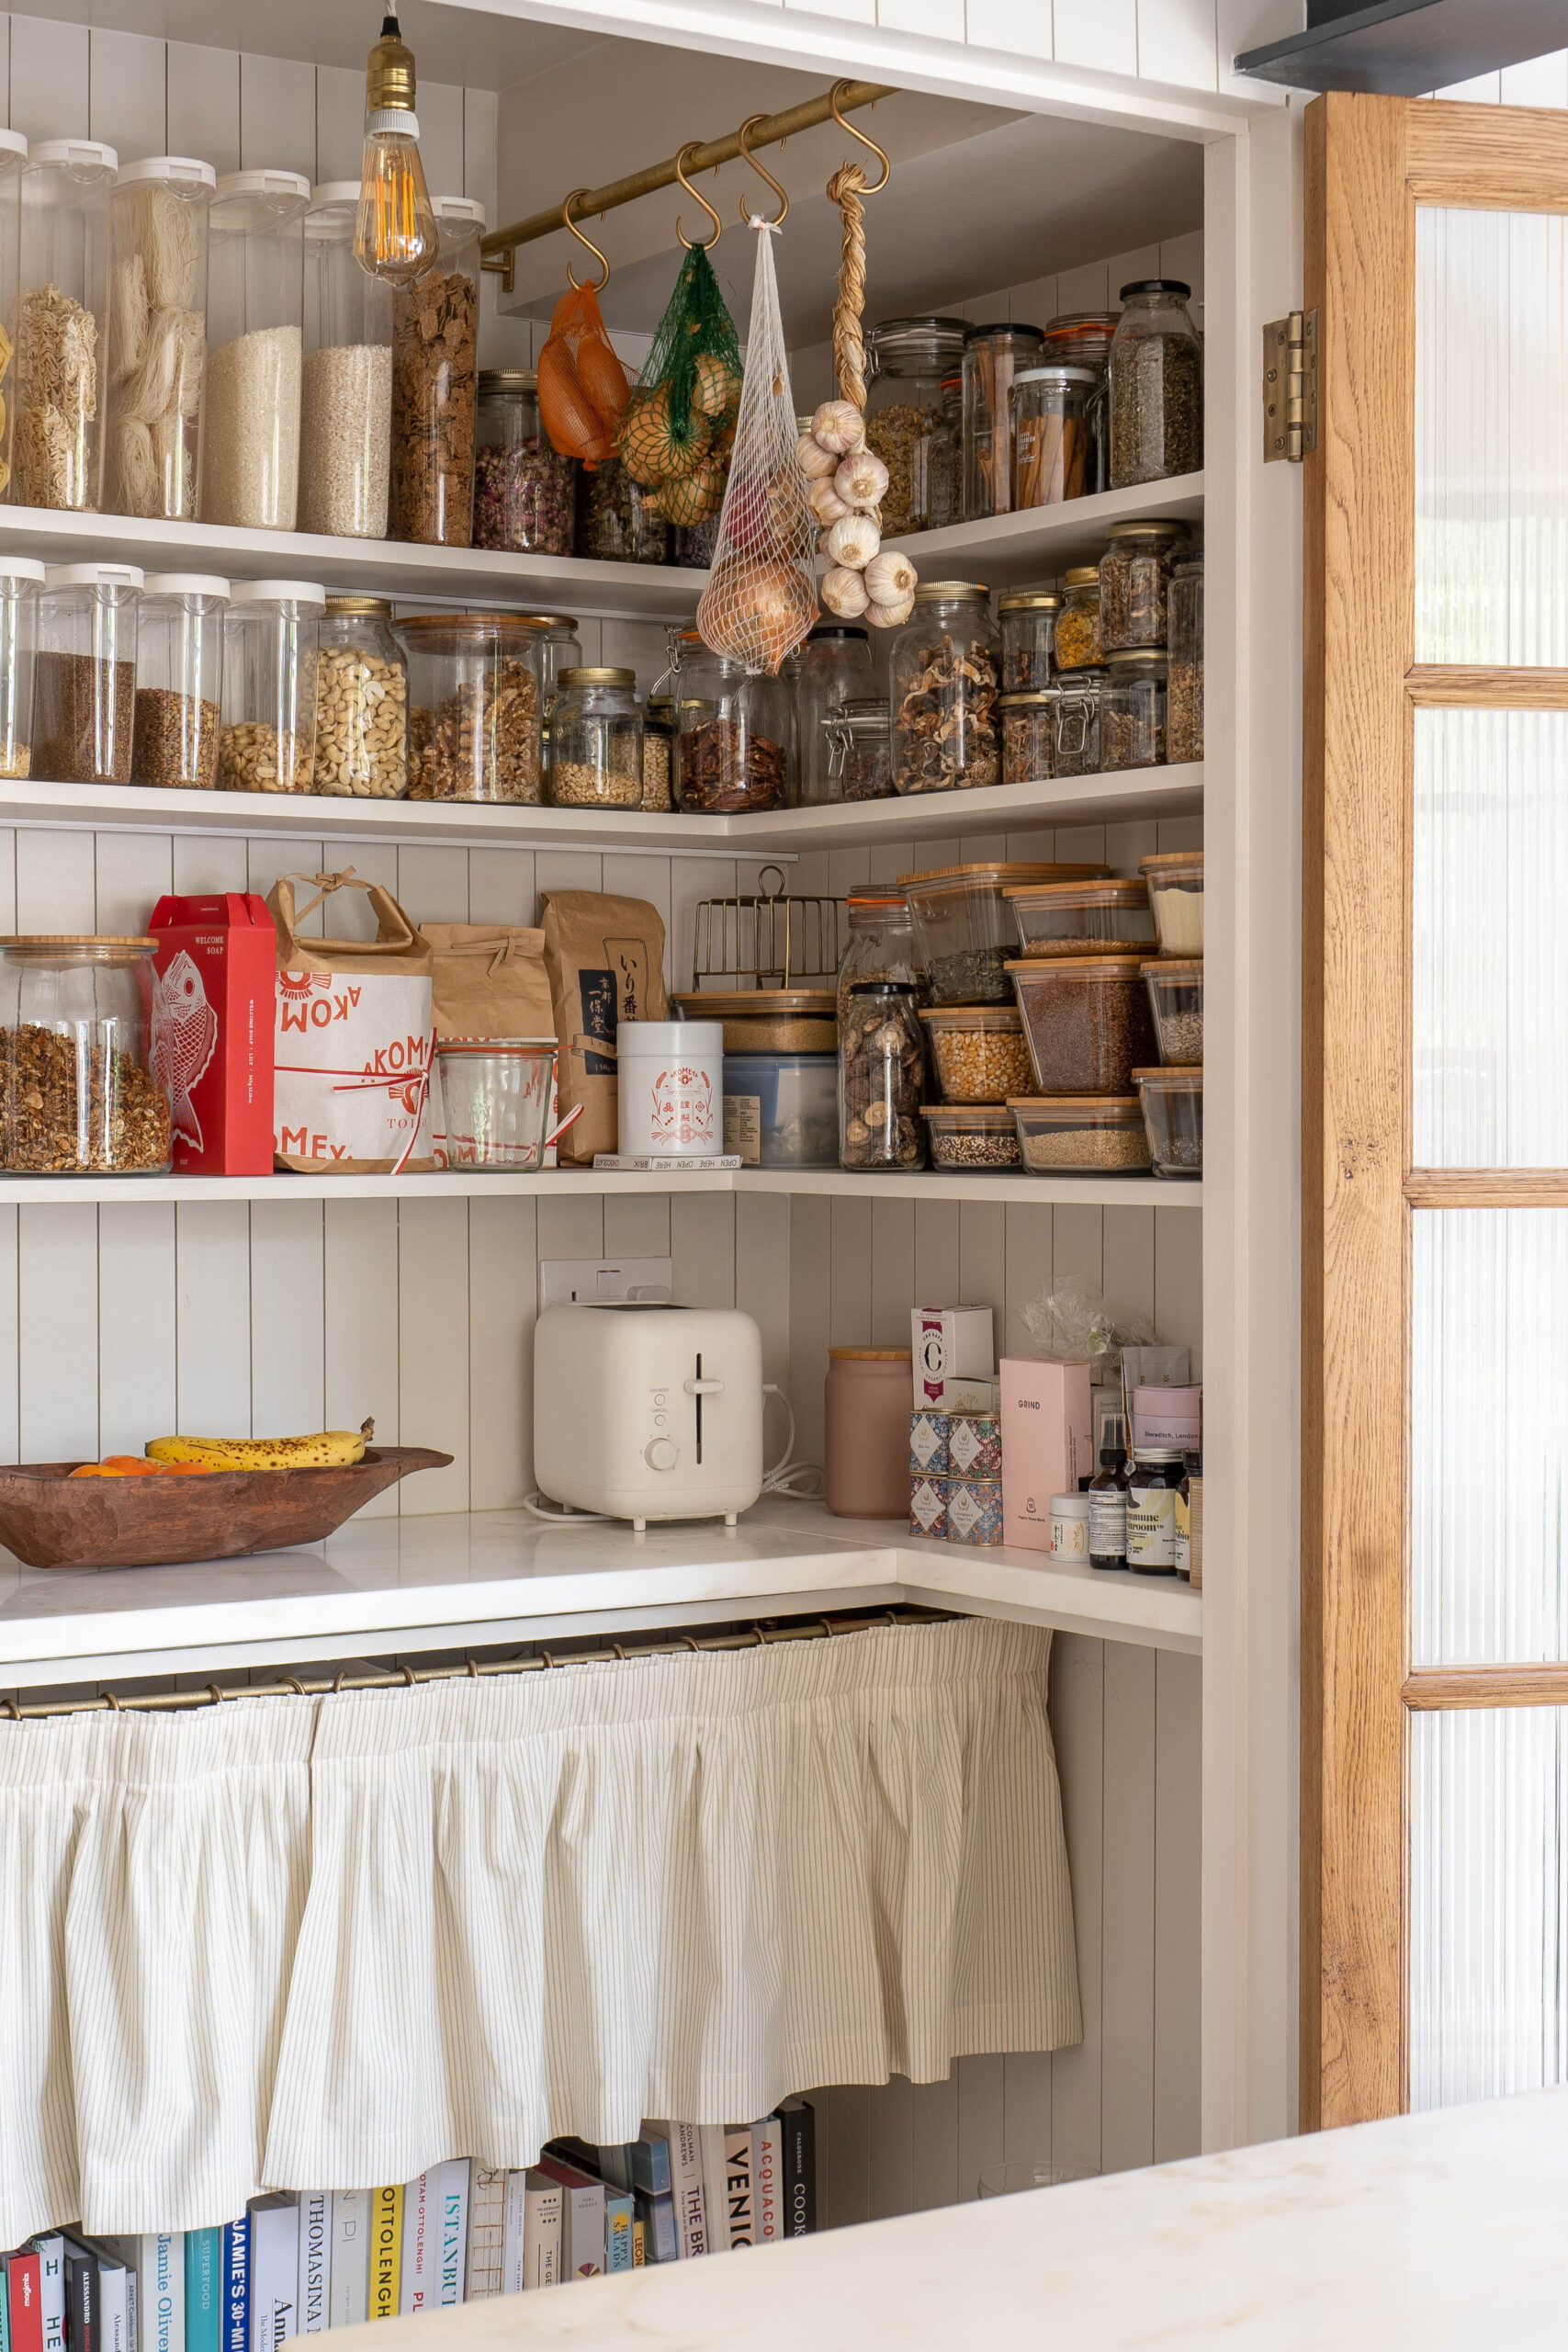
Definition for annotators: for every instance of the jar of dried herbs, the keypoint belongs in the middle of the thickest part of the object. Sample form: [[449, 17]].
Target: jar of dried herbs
[[179, 681], [1027, 620], [85, 676], [56, 458], [1075, 641], [1133, 711], [1029, 738], [1156, 385], [435, 378], [1185, 738], [942, 671], [1135, 577], [255, 312], [882, 1063], [992, 357], [908, 361]]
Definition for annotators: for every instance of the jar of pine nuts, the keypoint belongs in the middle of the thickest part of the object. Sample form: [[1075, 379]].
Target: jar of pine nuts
[[362, 702]]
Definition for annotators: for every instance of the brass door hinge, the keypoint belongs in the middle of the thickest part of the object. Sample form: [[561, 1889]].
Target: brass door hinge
[[1290, 387]]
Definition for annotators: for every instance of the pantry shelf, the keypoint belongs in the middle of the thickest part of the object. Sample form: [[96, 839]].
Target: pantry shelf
[[567, 1183], [1006, 551]]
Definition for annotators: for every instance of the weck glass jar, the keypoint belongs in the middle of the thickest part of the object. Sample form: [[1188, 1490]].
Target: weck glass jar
[[179, 681], [434, 369], [346, 401], [908, 361], [77, 1096], [268, 740], [524, 491], [1185, 609], [362, 702], [56, 456], [250, 476], [1133, 711], [859, 749], [733, 747], [1134, 580], [1156, 385], [157, 341], [474, 701], [834, 669], [992, 357], [85, 676], [942, 671], [596, 740], [21, 577], [1027, 623], [882, 1061], [1050, 431]]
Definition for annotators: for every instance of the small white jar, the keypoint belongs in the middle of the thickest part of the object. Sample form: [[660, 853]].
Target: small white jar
[[670, 1089], [1069, 1528]]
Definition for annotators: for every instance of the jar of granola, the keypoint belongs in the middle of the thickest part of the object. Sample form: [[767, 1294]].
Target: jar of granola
[[474, 699], [943, 690], [908, 361]]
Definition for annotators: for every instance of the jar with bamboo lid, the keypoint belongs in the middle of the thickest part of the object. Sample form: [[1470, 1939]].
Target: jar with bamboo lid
[[865, 1426]]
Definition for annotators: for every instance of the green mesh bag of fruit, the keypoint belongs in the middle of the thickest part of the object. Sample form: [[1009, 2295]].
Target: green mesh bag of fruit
[[678, 428]]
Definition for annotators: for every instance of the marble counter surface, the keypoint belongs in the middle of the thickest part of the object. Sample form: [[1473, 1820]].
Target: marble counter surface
[[1425, 2234]]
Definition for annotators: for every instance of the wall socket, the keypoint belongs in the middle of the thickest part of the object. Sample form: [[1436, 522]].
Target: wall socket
[[568, 1281]]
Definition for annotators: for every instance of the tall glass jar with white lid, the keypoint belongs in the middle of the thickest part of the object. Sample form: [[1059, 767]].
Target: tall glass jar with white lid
[[57, 457], [362, 702], [85, 676], [345, 401], [21, 577], [435, 385], [157, 337], [179, 681], [268, 743], [254, 331], [13, 157]]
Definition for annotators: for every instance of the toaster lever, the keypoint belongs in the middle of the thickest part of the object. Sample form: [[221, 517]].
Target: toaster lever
[[702, 1387]]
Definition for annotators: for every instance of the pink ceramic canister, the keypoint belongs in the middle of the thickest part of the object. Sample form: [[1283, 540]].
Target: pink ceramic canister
[[866, 1422]]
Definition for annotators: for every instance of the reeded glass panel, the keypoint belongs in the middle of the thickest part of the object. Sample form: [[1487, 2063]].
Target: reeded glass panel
[[1488, 1903], [1489, 958], [1491, 437], [1488, 1436]]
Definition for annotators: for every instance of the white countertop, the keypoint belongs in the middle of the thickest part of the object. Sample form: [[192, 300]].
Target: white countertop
[[1425, 2234], [453, 1580]]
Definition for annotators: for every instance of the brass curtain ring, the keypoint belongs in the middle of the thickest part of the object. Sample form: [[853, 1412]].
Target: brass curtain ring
[[872, 188], [292, 1682], [110, 1700], [568, 222], [214, 1693], [690, 149], [783, 213]]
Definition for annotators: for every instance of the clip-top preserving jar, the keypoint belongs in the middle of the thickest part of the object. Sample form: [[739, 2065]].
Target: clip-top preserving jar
[[255, 315], [85, 676], [56, 456], [596, 740], [733, 747], [524, 491], [362, 702], [992, 356], [942, 685], [1156, 385], [474, 697], [435, 385], [179, 681], [345, 404], [157, 338], [268, 743], [21, 577], [966, 929], [76, 1098], [859, 749], [835, 668], [908, 362]]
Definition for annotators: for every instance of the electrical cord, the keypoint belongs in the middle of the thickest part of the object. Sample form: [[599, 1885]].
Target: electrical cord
[[785, 1478]]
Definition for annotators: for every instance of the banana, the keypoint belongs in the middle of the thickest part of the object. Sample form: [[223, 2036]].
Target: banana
[[319, 1451]]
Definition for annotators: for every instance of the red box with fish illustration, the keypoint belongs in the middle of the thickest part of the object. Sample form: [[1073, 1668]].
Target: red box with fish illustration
[[211, 1030]]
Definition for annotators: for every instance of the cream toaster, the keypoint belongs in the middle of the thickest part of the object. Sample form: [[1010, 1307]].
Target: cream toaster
[[648, 1412]]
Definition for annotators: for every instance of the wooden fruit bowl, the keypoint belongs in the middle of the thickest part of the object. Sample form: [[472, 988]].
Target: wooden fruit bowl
[[52, 1520]]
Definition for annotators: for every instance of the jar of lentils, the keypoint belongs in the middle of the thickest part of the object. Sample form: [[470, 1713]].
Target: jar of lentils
[[362, 702], [597, 740], [1027, 620], [1133, 711], [1029, 737], [1134, 582], [524, 491]]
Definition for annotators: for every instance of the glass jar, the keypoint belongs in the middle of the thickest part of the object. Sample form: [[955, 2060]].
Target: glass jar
[[859, 749], [966, 1136], [1088, 1022], [1106, 917], [1027, 620], [434, 377], [85, 676], [157, 337], [946, 458], [733, 747], [346, 401], [1050, 434], [268, 743], [659, 752], [1082, 339], [1172, 1097], [1175, 880], [495, 1095], [76, 1097], [362, 702], [942, 671], [1134, 578], [835, 668], [1184, 740], [1156, 385], [597, 740], [179, 681], [561, 648], [56, 458], [255, 339], [694, 545], [1175, 984], [616, 521], [992, 356], [966, 928], [880, 947], [908, 361], [13, 157], [1075, 639], [882, 1062], [474, 702], [1093, 1135], [1029, 738], [1075, 701], [21, 577], [1133, 712], [978, 1051], [524, 491]]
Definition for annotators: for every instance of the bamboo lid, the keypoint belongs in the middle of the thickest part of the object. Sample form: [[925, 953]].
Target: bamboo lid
[[872, 1355]]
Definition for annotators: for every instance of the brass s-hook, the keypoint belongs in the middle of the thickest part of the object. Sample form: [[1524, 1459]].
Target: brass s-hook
[[873, 187], [782, 214], [568, 222], [690, 149]]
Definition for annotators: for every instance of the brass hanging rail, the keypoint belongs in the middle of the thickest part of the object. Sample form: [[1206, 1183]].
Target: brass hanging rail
[[765, 131]]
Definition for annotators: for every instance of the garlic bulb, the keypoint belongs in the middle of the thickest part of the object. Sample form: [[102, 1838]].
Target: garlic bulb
[[890, 578], [825, 503], [862, 479], [889, 616], [814, 462], [844, 592], [838, 426], [854, 541]]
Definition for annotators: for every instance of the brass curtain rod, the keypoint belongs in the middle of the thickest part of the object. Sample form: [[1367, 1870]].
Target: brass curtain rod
[[755, 1636], [499, 247]]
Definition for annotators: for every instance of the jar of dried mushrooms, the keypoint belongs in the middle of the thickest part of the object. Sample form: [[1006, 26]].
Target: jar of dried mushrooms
[[156, 354], [943, 688], [435, 385], [255, 334], [56, 455], [345, 401]]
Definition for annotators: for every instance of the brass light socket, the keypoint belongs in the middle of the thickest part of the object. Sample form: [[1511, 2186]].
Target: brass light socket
[[390, 72]]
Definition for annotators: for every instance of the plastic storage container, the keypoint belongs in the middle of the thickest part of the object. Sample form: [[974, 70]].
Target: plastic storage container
[[1156, 385], [1076, 641], [881, 1068], [362, 702], [942, 683], [865, 1429], [992, 357], [13, 157], [669, 1092], [474, 698], [1098, 1134], [978, 1051], [1173, 1114], [659, 752], [1176, 999], [157, 338], [881, 946], [1083, 338], [21, 577], [1051, 435], [524, 491], [859, 749], [495, 1098], [780, 1110], [907, 363], [434, 386], [966, 930], [733, 751], [616, 521], [345, 403], [1088, 1022], [250, 476], [1078, 918], [1029, 737], [1077, 700], [1184, 725], [597, 740], [84, 675], [1134, 582], [1027, 623], [268, 743], [1175, 880], [76, 1098], [835, 668], [1133, 711], [967, 1136], [179, 681], [56, 457]]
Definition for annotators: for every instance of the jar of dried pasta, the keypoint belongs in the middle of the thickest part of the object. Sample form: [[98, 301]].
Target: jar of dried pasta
[[61, 313], [157, 355], [362, 702], [474, 704], [268, 743], [943, 690]]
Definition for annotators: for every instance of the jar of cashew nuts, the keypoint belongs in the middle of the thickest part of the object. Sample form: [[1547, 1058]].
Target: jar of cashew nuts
[[362, 702]]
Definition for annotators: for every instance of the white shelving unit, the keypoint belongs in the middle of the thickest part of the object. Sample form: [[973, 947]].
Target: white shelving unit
[[567, 1183]]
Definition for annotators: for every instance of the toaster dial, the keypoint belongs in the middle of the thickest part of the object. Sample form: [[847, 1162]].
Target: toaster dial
[[662, 1453]]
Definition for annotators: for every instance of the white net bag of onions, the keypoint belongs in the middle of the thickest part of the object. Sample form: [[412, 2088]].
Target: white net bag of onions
[[760, 600]]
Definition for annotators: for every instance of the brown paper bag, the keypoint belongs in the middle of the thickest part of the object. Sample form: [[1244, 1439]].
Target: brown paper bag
[[353, 1038], [605, 961], [490, 980]]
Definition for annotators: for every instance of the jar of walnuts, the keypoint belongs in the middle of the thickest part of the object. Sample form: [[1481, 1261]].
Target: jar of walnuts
[[474, 704]]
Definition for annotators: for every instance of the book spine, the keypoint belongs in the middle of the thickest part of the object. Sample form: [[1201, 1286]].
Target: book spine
[[715, 2194], [386, 2249], [639, 2245], [487, 2232], [133, 2311], [23, 2297], [453, 2189], [542, 2232], [738, 2185], [203, 2290], [418, 2286], [766, 2148], [274, 2272], [618, 2218], [81, 2302], [513, 2260], [799, 2122], [686, 2186], [161, 2296], [51, 2292], [236, 2285], [112, 2309], [348, 2259], [314, 2314], [585, 2231]]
